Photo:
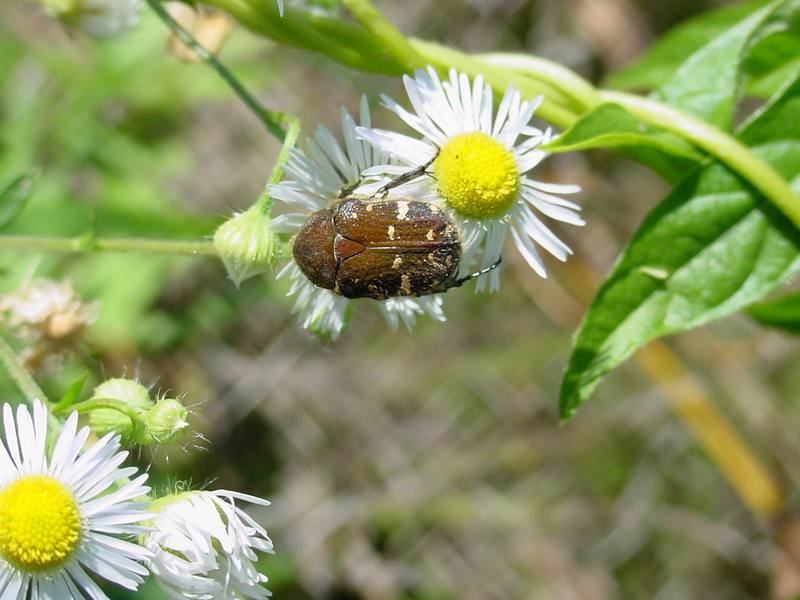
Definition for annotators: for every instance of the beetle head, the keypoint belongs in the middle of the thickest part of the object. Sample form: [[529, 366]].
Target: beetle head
[[313, 249]]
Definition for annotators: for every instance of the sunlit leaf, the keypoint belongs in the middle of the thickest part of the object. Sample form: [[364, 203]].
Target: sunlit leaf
[[667, 53], [706, 84], [711, 248], [611, 126]]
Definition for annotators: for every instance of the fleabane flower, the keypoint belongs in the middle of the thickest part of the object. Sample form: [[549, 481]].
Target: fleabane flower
[[313, 180], [481, 167], [205, 547], [43, 308], [99, 18], [62, 512]]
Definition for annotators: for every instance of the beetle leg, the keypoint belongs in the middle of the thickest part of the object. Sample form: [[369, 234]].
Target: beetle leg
[[462, 280], [348, 189], [406, 177]]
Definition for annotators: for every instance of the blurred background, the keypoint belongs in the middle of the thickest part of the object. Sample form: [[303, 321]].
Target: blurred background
[[424, 465]]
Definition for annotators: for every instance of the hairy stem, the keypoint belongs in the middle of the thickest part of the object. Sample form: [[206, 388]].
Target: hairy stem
[[271, 119], [395, 42], [90, 244], [19, 374]]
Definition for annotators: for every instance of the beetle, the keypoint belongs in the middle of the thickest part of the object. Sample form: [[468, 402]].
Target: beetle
[[381, 247]]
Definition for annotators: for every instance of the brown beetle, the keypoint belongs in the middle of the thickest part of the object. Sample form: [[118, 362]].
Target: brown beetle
[[367, 247]]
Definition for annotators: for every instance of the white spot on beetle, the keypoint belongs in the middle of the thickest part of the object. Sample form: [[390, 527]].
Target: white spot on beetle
[[431, 258], [429, 235], [390, 231], [405, 284], [402, 211], [369, 207], [397, 262]]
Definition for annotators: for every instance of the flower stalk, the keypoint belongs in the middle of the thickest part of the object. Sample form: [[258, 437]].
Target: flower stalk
[[19, 374]]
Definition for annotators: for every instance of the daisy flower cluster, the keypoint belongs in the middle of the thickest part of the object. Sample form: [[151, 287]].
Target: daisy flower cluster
[[480, 161], [74, 521]]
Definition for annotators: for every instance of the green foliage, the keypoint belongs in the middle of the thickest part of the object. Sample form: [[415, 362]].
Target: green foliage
[[707, 83], [710, 249], [774, 54], [667, 53], [783, 313], [13, 198], [611, 126]]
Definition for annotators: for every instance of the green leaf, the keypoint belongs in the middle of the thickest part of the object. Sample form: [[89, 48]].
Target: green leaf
[[72, 392], [14, 197], [611, 126], [783, 313], [706, 84], [711, 248], [665, 55]]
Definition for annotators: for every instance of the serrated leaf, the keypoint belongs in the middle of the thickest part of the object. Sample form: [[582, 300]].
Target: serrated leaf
[[711, 248], [666, 54], [612, 126], [783, 313], [14, 197], [706, 84]]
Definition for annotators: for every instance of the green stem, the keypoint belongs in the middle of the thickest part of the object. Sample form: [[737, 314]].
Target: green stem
[[96, 403], [264, 203], [580, 91], [89, 244], [296, 25], [19, 374], [395, 42], [554, 107], [718, 144], [270, 119]]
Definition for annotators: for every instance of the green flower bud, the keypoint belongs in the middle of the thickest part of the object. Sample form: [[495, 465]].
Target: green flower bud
[[132, 396], [99, 18], [165, 423], [246, 244]]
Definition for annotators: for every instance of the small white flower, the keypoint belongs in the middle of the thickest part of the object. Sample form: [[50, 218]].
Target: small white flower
[[60, 517], [205, 547], [46, 308], [481, 169], [312, 182]]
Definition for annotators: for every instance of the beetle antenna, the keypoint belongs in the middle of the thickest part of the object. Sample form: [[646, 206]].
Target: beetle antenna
[[406, 177]]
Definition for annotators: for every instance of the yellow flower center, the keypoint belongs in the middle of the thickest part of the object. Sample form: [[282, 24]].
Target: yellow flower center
[[476, 175], [39, 523]]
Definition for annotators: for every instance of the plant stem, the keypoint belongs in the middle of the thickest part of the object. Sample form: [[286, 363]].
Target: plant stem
[[19, 374], [264, 203], [395, 42], [271, 119], [580, 91], [554, 107], [718, 144], [88, 244]]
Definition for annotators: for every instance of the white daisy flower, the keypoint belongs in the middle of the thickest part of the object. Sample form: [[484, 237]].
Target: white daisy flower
[[61, 512], [312, 181], [205, 547], [481, 168]]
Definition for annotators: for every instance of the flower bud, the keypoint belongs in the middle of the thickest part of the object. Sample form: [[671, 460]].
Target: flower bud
[[165, 423], [246, 244], [131, 395], [99, 18]]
